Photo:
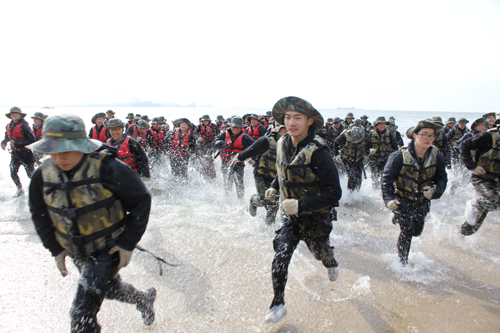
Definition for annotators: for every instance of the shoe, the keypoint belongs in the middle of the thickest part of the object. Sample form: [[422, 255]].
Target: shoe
[[471, 213], [146, 307], [252, 209], [19, 193], [333, 273], [274, 315]]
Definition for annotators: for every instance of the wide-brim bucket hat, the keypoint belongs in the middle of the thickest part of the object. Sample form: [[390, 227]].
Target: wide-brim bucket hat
[[205, 117], [38, 115], [486, 115], [355, 134], [479, 121], [64, 133], [237, 122], [97, 115], [15, 109], [297, 104], [185, 120], [422, 124], [381, 120], [114, 123]]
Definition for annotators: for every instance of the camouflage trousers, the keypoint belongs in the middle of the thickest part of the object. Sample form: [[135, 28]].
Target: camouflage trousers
[[262, 184], [489, 192]]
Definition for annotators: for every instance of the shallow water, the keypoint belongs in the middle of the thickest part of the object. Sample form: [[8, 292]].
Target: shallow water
[[223, 283]]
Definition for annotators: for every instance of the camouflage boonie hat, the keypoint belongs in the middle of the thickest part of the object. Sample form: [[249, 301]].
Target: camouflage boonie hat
[[485, 116], [237, 122], [205, 117], [185, 120], [349, 115], [110, 111], [142, 123], [437, 120], [38, 115], [138, 115], [337, 120], [254, 116], [114, 123], [145, 117], [380, 120], [364, 117], [464, 121], [355, 134], [269, 113], [130, 115], [357, 122], [479, 121], [220, 117], [155, 120], [391, 118], [422, 124], [15, 109], [64, 133], [97, 115], [136, 119], [162, 119], [329, 121], [297, 104], [451, 120]]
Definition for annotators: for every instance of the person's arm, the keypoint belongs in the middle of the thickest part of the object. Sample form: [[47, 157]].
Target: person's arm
[[440, 178], [90, 132], [135, 198], [394, 143], [141, 158], [260, 146], [338, 143], [481, 143], [330, 191], [390, 174], [40, 215], [446, 152], [450, 134]]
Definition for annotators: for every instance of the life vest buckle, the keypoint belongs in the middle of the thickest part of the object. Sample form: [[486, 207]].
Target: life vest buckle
[[70, 212]]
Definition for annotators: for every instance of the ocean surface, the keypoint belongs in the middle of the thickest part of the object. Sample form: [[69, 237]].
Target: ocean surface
[[223, 283]]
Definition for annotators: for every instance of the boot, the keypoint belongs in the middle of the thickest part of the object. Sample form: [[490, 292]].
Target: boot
[[146, 307], [252, 208]]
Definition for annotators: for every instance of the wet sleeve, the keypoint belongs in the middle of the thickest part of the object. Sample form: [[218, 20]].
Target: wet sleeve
[[481, 143], [329, 184], [40, 216], [338, 143], [390, 174], [141, 158], [29, 136], [394, 143], [247, 141], [129, 189], [446, 152], [260, 146], [441, 177], [90, 132]]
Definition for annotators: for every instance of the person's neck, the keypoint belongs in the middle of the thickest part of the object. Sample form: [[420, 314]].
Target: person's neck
[[183, 132], [420, 151], [296, 139]]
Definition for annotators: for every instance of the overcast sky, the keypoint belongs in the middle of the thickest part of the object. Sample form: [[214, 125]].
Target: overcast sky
[[397, 55]]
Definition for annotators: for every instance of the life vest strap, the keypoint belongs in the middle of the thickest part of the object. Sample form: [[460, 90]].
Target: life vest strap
[[73, 213], [82, 240], [68, 186]]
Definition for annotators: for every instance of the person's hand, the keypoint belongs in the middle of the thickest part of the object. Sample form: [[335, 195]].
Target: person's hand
[[4, 145], [373, 151], [338, 159], [393, 204], [428, 192], [61, 262], [291, 206], [270, 193], [478, 171], [125, 256], [251, 161]]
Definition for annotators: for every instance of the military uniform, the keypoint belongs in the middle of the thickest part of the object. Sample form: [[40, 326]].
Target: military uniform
[[384, 143], [181, 147], [352, 153], [90, 214]]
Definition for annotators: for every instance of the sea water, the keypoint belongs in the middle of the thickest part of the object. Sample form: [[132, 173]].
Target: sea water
[[223, 281]]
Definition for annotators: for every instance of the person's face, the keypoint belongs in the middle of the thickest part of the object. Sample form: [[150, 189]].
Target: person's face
[[156, 126], [116, 133], [16, 116], [450, 125], [328, 125], [37, 121], [236, 130], [268, 117], [491, 120], [131, 119], [297, 124], [111, 116], [337, 125], [247, 122], [349, 120], [67, 161], [422, 138], [99, 121], [282, 131], [206, 122], [254, 122], [183, 127], [462, 126], [481, 127], [381, 126], [140, 129]]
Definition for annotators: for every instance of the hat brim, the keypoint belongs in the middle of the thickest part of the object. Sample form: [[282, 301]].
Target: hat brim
[[55, 145], [237, 125], [422, 124], [298, 105], [21, 113]]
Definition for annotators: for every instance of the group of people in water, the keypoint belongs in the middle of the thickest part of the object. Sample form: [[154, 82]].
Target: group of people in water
[[81, 209]]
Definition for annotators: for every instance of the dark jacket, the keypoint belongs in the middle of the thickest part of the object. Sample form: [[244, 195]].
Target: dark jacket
[[368, 140], [394, 165], [246, 141], [481, 143], [29, 136], [141, 158], [132, 193], [322, 165]]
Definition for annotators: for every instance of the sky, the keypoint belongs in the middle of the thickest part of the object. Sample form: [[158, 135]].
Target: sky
[[424, 55]]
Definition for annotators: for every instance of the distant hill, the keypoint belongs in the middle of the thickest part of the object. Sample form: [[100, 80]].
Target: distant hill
[[142, 104]]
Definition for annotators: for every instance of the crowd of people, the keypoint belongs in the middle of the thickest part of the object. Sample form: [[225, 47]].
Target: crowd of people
[[79, 208]]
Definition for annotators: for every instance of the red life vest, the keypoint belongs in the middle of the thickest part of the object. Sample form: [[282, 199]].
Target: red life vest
[[206, 132], [254, 133], [102, 135], [38, 132], [157, 138], [16, 135], [125, 155], [180, 149], [128, 124], [232, 148]]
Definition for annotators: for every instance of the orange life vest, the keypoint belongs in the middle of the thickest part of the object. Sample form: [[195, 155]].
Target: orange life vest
[[232, 148], [180, 148], [125, 155]]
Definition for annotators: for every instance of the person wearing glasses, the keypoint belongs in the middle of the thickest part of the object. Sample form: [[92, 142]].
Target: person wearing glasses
[[412, 177]]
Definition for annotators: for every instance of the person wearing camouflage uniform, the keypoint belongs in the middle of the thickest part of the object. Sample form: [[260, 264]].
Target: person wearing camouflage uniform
[[441, 142], [264, 171], [350, 151], [366, 124], [309, 189], [485, 179], [380, 143], [19, 134], [450, 123], [454, 134], [38, 119], [393, 128], [413, 176], [181, 145], [98, 131], [82, 208], [491, 118]]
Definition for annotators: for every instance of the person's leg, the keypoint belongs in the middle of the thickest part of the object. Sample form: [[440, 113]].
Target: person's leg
[[238, 175], [489, 199], [318, 242], [28, 161], [15, 163]]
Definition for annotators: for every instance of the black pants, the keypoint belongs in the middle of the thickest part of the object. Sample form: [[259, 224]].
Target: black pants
[[315, 233], [262, 183], [233, 172], [24, 158], [97, 282], [377, 165], [179, 166], [411, 218], [354, 174]]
